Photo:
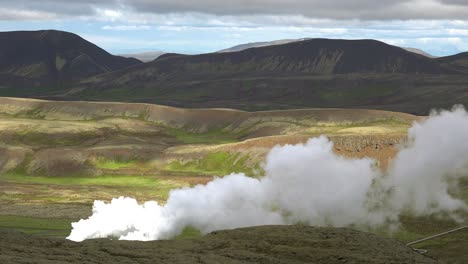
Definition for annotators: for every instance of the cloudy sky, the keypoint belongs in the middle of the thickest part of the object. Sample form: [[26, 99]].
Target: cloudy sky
[[439, 27]]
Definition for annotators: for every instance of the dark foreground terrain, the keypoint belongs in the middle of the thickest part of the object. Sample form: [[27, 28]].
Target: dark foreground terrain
[[268, 244]]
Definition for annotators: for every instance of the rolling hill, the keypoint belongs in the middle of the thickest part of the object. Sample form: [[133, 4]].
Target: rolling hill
[[48, 131], [50, 59]]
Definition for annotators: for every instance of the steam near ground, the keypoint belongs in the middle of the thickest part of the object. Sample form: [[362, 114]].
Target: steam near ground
[[306, 183]]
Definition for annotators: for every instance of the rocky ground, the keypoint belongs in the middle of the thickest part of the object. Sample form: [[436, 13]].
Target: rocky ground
[[267, 244]]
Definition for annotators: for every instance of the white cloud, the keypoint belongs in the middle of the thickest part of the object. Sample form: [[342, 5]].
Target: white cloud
[[109, 14], [458, 32], [197, 28], [127, 27], [22, 14], [173, 28], [111, 41], [364, 10]]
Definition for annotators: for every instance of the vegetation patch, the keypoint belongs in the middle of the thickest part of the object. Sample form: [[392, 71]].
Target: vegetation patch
[[34, 225], [213, 136], [188, 233], [217, 163], [449, 248], [360, 92], [376, 126], [85, 190], [103, 163], [106, 180]]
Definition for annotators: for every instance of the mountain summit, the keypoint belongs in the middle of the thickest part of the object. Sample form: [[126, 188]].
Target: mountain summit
[[49, 57]]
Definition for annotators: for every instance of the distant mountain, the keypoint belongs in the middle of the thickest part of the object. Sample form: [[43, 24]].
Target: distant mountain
[[260, 44], [144, 56], [420, 52], [52, 58], [286, 41]]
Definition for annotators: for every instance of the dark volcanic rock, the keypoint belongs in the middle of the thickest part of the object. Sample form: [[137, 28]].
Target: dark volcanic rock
[[268, 244]]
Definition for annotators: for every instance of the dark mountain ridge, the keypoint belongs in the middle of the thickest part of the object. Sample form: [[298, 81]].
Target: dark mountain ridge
[[310, 73], [49, 57], [314, 56], [302, 74]]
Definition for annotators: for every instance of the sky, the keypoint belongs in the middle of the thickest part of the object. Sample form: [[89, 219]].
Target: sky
[[439, 27]]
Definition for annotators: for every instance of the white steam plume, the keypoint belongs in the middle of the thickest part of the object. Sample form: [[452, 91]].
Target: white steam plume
[[305, 183], [434, 159]]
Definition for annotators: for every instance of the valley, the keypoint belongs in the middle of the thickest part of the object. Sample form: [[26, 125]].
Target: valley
[[58, 157]]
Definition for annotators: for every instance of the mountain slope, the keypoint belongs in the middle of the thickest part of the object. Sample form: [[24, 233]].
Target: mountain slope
[[458, 61], [46, 58], [311, 57], [318, 56]]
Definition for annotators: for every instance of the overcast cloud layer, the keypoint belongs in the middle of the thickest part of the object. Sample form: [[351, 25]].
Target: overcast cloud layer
[[332, 9], [438, 26]]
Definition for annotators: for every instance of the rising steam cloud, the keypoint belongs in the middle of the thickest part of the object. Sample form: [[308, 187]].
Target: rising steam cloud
[[306, 183]]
